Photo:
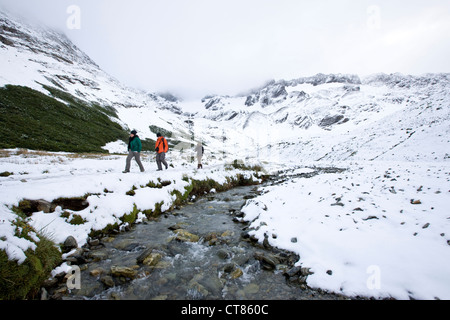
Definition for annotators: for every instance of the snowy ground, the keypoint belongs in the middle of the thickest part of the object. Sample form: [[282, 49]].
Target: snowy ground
[[49, 176], [377, 229]]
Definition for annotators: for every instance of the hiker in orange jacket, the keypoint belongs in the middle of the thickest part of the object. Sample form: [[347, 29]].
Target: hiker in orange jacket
[[161, 148]]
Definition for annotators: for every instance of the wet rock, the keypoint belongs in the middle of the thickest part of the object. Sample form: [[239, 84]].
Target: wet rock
[[241, 259], [306, 272], [251, 288], [152, 259], [237, 273], [177, 226], [293, 272], [223, 254], [108, 239], [97, 255], [126, 272], [107, 281], [77, 258], [229, 267], [227, 233], [212, 238], [297, 275], [197, 291], [94, 242], [185, 236], [96, 272], [266, 243], [268, 261], [126, 245], [144, 255]]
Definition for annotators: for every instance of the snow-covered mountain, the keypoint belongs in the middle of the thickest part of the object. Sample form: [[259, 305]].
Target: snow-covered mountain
[[35, 56], [322, 117], [339, 117]]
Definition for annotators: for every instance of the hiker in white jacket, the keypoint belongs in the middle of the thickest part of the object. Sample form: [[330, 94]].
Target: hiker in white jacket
[[199, 150]]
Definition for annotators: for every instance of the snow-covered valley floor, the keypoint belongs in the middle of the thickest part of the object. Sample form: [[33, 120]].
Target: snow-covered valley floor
[[376, 229]]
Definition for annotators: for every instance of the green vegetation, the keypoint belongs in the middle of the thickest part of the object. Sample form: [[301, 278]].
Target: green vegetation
[[60, 122], [237, 164], [131, 217], [166, 133], [24, 281]]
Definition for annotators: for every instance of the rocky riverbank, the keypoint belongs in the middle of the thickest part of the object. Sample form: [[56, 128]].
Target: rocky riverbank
[[199, 251]]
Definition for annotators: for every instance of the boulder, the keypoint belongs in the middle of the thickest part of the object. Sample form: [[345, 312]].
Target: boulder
[[126, 272], [237, 273], [185, 236], [144, 255], [107, 281], [268, 261], [152, 259], [223, 254], [69, 244]]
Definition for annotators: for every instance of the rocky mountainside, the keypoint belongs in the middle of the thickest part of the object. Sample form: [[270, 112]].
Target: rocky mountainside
[[340, 117]]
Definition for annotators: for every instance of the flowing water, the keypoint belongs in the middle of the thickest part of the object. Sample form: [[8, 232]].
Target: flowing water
[[223, 264]]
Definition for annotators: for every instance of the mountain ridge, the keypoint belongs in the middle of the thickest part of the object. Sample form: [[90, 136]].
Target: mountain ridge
[[323, 108]]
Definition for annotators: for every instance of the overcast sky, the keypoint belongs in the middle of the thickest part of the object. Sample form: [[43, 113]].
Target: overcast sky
[[197, 47]]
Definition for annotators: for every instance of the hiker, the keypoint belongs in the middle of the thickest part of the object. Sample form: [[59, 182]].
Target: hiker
[[161, 148], [200, 151], [134, 151]]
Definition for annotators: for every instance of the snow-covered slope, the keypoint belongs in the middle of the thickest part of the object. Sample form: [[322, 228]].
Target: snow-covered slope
[[32, 55], [338, 117]]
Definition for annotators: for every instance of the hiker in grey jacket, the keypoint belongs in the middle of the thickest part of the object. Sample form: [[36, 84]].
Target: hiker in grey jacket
[[134, 151]]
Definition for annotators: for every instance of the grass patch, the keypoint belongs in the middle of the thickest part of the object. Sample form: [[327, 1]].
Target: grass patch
[[131, 217], [30, 119], [237, 164], [131, 192], [24, 281]]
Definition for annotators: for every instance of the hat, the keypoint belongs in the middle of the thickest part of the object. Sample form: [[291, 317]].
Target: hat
[[158, 134], [134, 132]]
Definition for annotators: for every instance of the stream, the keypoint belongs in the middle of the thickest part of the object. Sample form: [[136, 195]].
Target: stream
[[196, 252]]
